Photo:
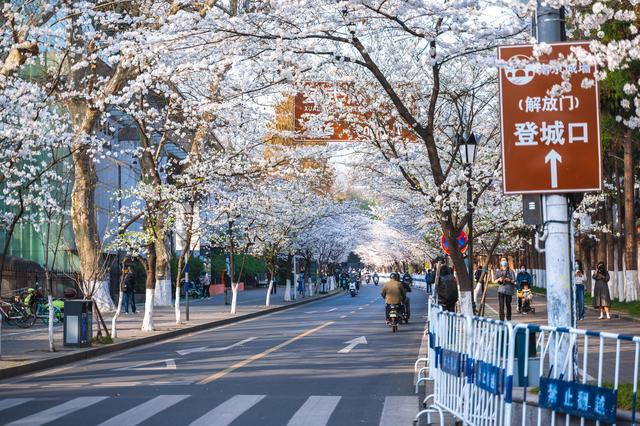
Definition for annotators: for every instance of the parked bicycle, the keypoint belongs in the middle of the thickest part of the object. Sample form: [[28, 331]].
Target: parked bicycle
[[14, 312]]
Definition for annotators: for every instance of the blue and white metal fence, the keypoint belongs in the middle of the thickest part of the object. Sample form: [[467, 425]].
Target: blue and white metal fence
[[483, 371]]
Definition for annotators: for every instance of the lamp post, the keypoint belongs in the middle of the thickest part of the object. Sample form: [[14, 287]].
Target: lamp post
[[467, 150]]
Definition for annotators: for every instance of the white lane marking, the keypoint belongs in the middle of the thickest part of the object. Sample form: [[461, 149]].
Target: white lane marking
[[58, 411], [12, 402], [228, 411], [360, 308], [343, 316], [169, 364], [207, 349], [398, 410], [332, 309], [117, 384], [142, 412], [352, 312], [316, 411], [66, 385], [352, 344]]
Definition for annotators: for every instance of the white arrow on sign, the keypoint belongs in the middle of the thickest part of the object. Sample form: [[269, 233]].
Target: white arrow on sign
[[554, 158], [169, 364], [352, 344], [208, 349]]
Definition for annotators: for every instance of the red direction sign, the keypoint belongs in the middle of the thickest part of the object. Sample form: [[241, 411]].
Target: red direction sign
[[462, 242], [550, 141]]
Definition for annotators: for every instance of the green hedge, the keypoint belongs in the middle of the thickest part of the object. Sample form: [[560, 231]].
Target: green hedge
[[253, 265]]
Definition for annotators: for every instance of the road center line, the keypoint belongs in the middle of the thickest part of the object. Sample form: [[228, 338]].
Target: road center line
[[261, 355]]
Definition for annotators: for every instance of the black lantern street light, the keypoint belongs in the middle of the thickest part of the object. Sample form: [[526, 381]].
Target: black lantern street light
[[467, 149]]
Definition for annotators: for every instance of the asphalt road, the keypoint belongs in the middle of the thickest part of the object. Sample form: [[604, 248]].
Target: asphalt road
[[308, 365]]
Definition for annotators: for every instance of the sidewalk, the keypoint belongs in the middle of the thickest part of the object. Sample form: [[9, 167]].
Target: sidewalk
[[24, 348]]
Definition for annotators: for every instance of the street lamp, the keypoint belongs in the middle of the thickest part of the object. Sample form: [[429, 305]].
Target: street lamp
[[467, 149]]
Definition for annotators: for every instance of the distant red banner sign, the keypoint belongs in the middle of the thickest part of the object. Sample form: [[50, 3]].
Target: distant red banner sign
[[351, 125]]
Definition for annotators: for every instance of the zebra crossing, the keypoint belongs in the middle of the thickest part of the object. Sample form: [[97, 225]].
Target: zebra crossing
[[315, 411]]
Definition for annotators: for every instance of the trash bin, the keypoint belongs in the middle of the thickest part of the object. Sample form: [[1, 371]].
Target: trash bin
[[78, 323], [533, 363]]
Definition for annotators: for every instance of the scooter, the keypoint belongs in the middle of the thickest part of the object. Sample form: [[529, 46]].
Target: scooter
[[352, 289], [395, 317], [367, 279]]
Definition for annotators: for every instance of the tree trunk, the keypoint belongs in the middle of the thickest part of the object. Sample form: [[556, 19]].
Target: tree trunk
[[630, 257], [83, 213], [462, 273], [85, 228], [147, 322], [287, 290], [601, 247], [269, 289], [162, 296]]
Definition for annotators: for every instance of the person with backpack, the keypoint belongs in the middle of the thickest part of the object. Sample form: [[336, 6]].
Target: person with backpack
[[447, 287], [129, 290]]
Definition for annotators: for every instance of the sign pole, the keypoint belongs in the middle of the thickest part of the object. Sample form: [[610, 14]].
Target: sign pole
[[550, 28]]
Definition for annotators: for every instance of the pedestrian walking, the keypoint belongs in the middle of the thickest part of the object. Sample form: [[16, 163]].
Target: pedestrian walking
[[204, 282], [226, 279], [601, 297], [447, 287], [129, 290], [429, 279], [522, 279], [580, 279], [506, 279], [301, 283]]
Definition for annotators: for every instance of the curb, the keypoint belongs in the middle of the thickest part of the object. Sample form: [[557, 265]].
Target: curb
[[115, 347]]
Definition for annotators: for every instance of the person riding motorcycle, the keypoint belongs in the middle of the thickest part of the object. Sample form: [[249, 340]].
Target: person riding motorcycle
[[376, 278], [367, 277], [406, 284], [393, 293]]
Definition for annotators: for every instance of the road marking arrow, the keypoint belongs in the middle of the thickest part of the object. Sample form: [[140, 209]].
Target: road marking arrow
[[352, 344], [169, 364], [554, 158], [208, 349]]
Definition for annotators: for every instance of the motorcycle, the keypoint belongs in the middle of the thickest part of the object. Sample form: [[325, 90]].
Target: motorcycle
[[352, 289], [367, 279], [395, 317], [376, 279]]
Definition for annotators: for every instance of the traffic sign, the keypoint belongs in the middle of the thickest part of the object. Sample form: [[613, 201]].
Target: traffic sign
[[550, 140], [462, 242]]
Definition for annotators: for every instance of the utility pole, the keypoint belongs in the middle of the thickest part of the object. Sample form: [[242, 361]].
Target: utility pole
[[550, 27]]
